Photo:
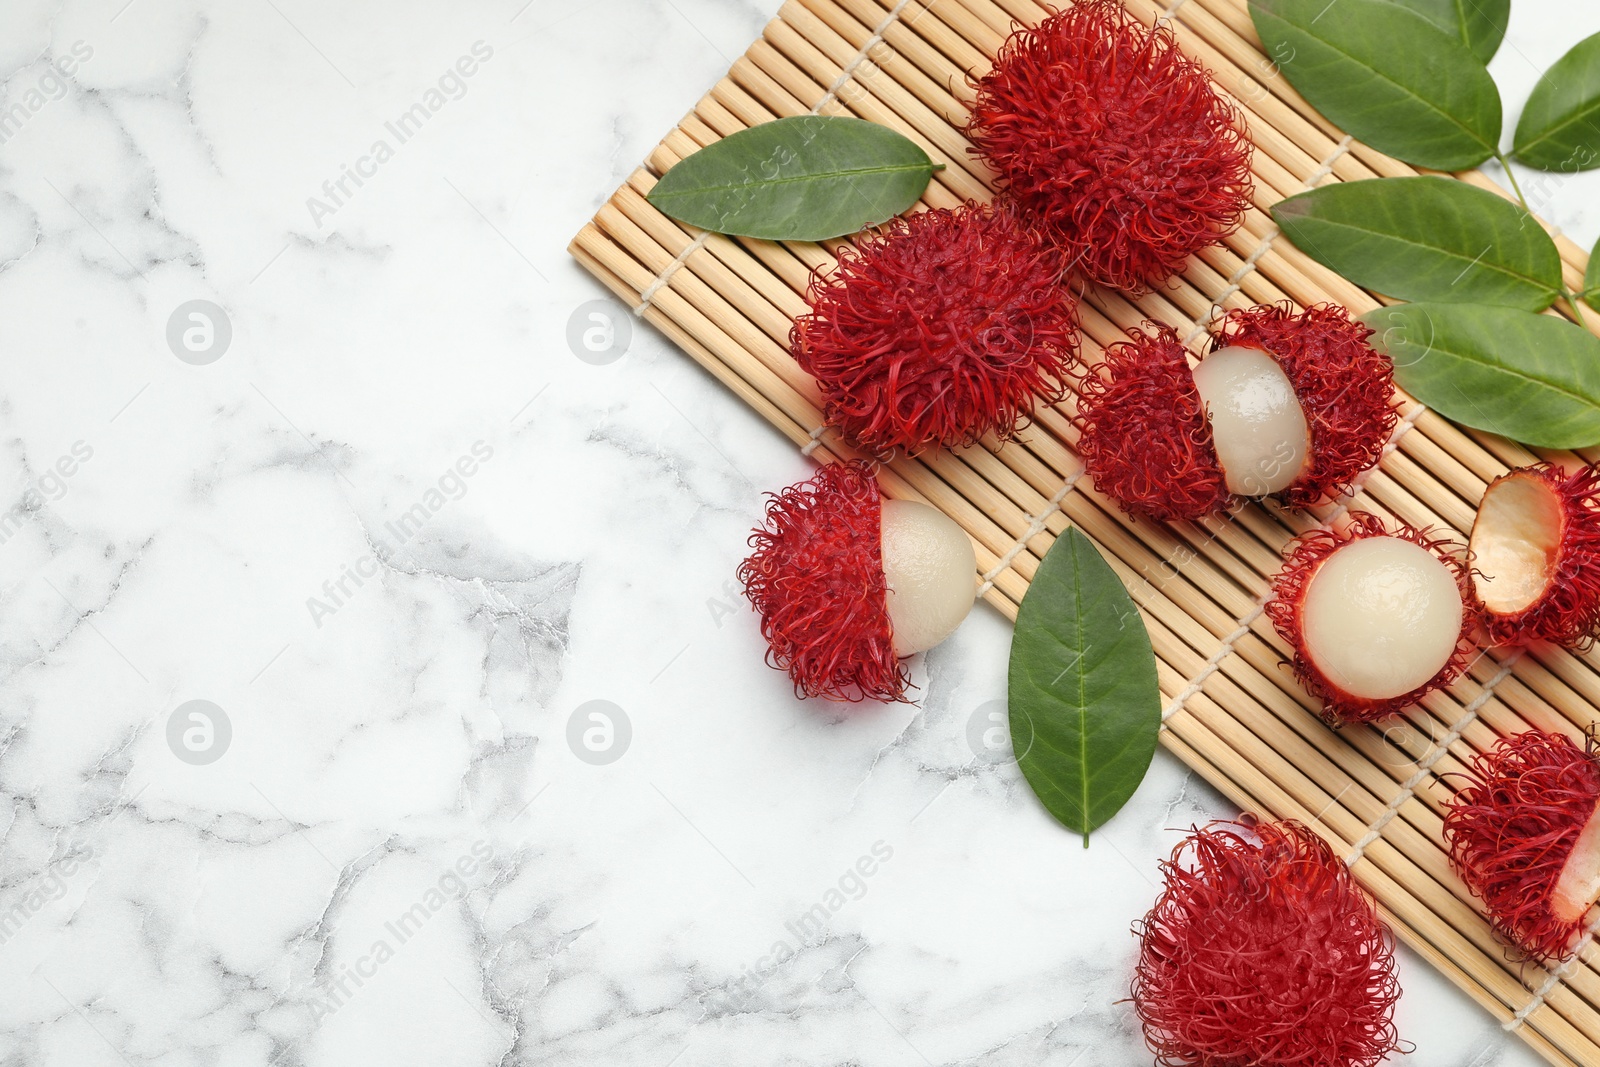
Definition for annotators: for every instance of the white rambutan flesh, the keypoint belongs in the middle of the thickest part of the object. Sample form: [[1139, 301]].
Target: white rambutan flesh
[[1516, 542], [1578, 886], [1382, 616], [1258, 427], [930, 569]]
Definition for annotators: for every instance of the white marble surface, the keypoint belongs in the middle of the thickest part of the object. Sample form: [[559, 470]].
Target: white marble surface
[[402, 748]]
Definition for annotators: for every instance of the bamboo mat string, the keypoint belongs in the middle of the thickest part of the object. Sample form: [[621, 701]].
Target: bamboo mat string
[[1172, 8], [1408, 788], [1408, 422], [865, 53], [665, 276], [1552, 980], [1236, 281], [1214, 664], [816, 440], [849, 71], [1035, 528]]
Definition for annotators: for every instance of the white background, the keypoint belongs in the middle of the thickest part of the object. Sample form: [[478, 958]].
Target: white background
[[208, 910]]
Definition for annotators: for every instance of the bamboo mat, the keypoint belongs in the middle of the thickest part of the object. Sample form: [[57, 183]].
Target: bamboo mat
[[1233, 712]]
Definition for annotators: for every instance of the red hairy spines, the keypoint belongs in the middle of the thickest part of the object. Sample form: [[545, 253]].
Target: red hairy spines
[[1569, 613], [1103, 130], [941, 327], [1145, 440], [1262, 950], [1286, 606], [816, 579], [1511, 828], [1343, 384]]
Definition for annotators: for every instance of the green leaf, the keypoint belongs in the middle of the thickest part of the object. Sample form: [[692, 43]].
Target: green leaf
[[1387, 75], [1532, 378], [1478, 24], [1560, 126], [805, 178], [1426, 239], [1591, 280], [1084, 700]]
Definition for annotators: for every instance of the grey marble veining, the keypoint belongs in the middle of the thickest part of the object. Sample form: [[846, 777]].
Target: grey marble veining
[[398, 538]]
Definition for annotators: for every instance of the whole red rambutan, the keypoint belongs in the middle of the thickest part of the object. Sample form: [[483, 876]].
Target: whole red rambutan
[[846, 583], [943, 326], [1536, 556], [1115, 141], [1377, 619], [1289, 405], [1524, 836], [1262, 950]]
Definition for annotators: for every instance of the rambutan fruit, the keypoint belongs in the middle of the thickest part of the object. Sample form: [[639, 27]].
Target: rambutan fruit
[[1262, 950], [1115, 141], [847, 583], [1290, 405], [1145, 440], [1524, 835], [1376, 619], [1536, 556], [939, 328]]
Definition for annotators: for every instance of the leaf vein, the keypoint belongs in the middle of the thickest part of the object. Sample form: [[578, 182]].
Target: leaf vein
[[766, 183]]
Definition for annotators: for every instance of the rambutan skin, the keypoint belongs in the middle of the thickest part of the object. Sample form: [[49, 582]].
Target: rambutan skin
[[941, 327], [1569, 614], [1263, 950], [1344, 386], [816, 579], [1511, 828], [1145, 440], [1285, 608], [1117, 142]]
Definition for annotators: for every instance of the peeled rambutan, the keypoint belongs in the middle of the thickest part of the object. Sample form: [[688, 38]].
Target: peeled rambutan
[[1344, 386], [1262, 950], [1117, 142], [847, 583], [941, 327], [1536, 556], [1377, 619], [1291, 405], [1524, 835]]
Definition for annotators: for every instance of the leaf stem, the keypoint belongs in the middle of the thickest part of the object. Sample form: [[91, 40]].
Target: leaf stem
[[1574, 301], [1505, 165], [1579, 312]]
